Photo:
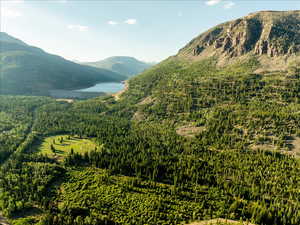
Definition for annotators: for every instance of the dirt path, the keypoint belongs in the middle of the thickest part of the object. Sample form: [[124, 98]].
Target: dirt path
[[118, 94]]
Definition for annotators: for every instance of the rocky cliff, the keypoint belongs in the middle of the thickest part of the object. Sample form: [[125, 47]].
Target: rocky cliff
[[266, 33]]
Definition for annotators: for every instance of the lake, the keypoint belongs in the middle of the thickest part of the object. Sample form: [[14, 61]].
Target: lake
[[109, 87]]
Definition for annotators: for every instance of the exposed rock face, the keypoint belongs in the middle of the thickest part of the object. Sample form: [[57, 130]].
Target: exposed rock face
[[270, 33], [240, 37]]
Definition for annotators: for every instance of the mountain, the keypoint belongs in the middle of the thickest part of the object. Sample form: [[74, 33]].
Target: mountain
[[233, 95], [273, 37], [125, 65], [31, 71], [4, 37], [243, 69], [266, 41]]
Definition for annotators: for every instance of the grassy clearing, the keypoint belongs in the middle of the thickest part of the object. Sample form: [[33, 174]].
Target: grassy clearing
[[61, 145]]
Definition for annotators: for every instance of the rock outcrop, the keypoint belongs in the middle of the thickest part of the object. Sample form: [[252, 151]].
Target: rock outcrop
[[271, 33]]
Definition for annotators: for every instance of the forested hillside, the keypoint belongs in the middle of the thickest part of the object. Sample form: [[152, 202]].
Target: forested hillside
[[143, 172], [27, 70], [189, 140]]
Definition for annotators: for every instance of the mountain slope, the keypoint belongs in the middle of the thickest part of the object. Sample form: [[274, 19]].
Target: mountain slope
[[232, 98], [29, 70], [263, 42], [125, 65], [266, 35], [4, 37]]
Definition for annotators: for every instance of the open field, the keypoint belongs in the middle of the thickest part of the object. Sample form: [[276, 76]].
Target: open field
[[61, 145]]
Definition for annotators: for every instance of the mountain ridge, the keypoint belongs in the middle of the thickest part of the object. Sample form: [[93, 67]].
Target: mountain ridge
[[30, 70], [126, 65], [272, 34], [7, 38]]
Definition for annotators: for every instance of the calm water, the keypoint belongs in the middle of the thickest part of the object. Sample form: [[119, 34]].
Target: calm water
[[105, 87]]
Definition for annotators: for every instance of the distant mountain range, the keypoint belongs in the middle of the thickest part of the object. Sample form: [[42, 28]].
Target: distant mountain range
[[28, 70], [124, 65]]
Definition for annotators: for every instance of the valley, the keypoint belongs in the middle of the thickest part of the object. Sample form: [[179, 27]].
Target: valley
[[208, 136], [28, 70]]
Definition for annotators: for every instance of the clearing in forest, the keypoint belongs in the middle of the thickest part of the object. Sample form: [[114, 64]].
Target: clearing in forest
[[294, 143], [60, 146], [220, 221], [189, 130]]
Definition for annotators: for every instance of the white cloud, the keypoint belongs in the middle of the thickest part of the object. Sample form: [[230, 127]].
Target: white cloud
[[212, 2], [78, 28], [111, 22], [10, 13], [130, 21], [62, 1], [15, 1], [229, 5], [179, 14]]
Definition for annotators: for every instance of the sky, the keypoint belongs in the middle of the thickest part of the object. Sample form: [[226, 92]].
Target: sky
[[151, 31]]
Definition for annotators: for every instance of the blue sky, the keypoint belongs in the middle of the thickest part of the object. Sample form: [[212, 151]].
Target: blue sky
[[147, 30]]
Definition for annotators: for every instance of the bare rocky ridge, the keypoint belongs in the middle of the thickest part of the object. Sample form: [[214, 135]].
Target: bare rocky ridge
[[271, 34]]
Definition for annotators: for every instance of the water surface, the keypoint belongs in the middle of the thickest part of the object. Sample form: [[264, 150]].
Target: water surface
[[109, 87]]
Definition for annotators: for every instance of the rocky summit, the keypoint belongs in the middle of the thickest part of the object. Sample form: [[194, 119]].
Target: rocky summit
[[266, 33]]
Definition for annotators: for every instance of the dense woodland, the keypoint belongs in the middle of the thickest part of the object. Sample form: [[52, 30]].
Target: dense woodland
[[237, 166]]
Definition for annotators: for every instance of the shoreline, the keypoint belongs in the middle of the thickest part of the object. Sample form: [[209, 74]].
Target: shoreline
[[117, 95]]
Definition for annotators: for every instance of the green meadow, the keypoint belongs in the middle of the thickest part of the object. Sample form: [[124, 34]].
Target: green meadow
[[61, 145]]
